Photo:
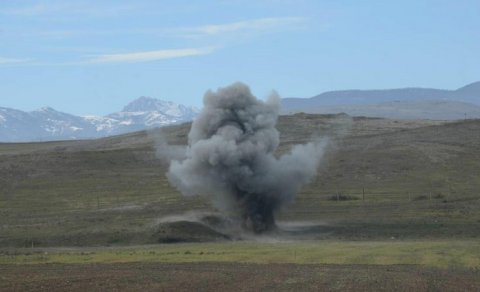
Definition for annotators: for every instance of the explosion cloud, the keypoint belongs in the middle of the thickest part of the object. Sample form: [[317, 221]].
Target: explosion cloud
[[230, 156]]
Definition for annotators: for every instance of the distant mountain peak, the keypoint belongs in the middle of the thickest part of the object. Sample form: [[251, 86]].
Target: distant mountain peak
[[147, 104], [45, 109], [160, 109]]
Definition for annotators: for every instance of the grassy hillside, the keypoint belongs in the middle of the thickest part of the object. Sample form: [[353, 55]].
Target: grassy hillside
[[381, 179]]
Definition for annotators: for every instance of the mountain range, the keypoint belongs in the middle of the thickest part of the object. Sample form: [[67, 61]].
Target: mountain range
[[403, 103], [47, 124]]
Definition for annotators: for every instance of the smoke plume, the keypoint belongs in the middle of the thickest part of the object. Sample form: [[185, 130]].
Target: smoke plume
[[230, 156]]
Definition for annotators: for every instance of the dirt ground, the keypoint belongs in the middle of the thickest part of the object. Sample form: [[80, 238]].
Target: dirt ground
[[232, 277]]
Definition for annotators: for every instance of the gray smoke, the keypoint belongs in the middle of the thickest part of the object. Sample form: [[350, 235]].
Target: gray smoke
[[230, 156]]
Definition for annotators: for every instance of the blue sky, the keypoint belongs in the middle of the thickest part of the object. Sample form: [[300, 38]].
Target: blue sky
[[93, 57]]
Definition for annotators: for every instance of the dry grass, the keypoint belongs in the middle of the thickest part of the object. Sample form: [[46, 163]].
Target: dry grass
[[110, 191]]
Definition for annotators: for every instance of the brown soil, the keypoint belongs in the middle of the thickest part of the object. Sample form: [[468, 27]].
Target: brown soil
[[232, 277]]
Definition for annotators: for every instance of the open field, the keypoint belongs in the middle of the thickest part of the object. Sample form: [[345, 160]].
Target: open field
[[380, 179], [395, 206], [245, 266], [213, 276], [439, 254]]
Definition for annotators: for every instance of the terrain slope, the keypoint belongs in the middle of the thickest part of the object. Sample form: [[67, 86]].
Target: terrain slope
[[380, 179]]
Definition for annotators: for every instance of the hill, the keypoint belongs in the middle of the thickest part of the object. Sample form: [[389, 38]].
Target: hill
[[381, 179], [403, 103]]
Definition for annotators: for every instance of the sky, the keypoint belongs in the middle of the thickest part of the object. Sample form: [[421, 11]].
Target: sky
[[93, 57]]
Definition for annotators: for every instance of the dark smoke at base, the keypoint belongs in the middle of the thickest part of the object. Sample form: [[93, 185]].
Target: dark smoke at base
[[230, 156]]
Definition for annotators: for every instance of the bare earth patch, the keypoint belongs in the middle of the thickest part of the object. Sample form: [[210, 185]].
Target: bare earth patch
[[216, 276]]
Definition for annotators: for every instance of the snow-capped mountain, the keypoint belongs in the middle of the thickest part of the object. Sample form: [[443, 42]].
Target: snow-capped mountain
[[48, 124], [169, 108], [152, 112]]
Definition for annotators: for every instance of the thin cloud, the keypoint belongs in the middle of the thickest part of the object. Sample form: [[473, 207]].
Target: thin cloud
[[149, 55], [12, 61], [261, 25], [240, 28]]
